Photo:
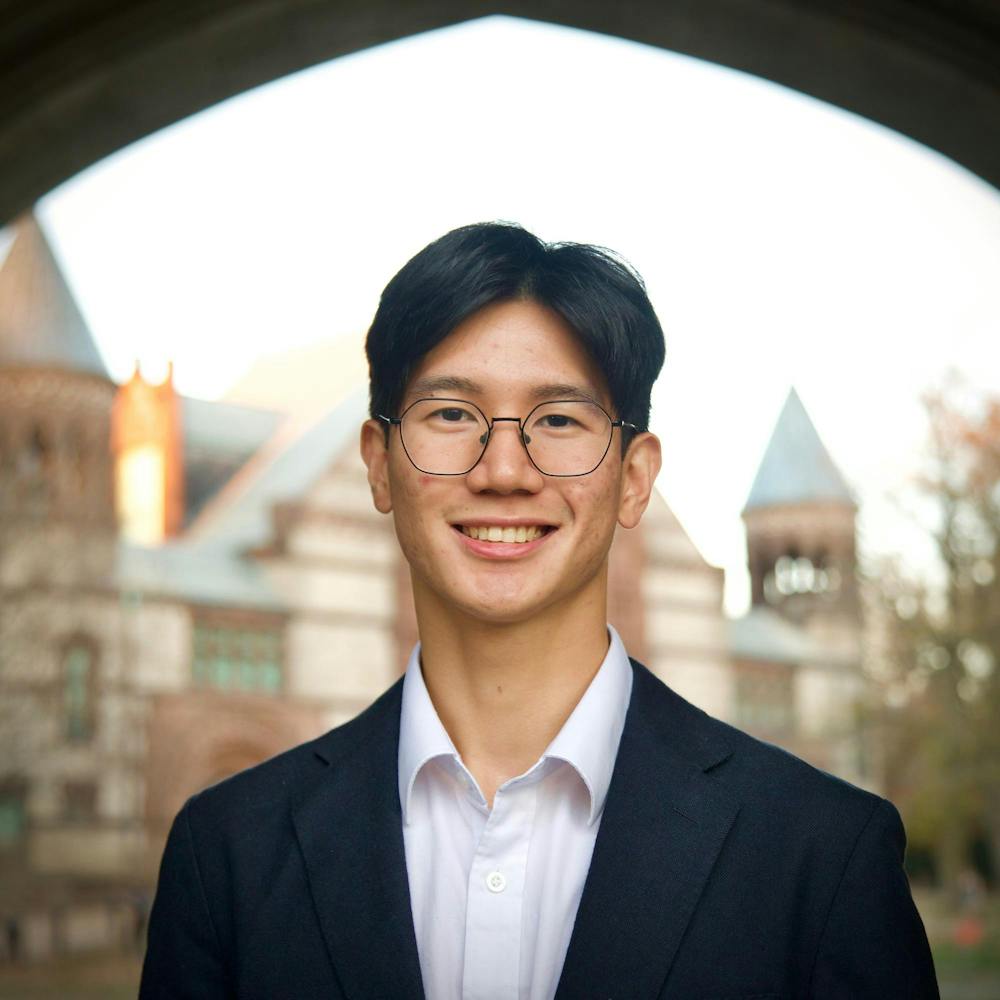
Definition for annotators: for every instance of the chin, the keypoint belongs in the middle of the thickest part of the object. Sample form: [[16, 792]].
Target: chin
[[507, 610], [511, 615], [507, 606]]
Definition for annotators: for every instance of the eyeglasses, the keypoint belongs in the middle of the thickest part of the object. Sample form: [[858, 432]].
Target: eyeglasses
[[448, 437]]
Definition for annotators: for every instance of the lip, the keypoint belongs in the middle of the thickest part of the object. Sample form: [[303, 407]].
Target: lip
[[501, 550]]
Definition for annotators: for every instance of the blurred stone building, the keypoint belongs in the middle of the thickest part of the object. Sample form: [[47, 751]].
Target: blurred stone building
[[189, 587]]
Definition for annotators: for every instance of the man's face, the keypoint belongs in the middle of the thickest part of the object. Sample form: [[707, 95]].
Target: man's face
[[506, 359]]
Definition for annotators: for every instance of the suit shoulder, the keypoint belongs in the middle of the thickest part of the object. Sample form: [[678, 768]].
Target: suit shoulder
[[775, 771], [760, 773]]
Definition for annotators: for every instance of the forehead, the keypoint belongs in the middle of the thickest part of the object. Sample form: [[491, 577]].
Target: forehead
[[510, 349]]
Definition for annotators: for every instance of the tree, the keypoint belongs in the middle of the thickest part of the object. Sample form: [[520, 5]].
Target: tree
[[935, 666]]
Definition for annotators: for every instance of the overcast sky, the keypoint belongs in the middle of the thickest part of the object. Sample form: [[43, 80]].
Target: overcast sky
[[783, 241]]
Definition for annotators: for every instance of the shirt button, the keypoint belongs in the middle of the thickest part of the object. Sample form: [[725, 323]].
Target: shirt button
[[496, 882]]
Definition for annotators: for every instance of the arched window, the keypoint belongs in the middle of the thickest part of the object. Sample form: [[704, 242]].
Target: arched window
[[79, 663], [8, 462], [34, 466], [36, 452], [796, 574], [76, 459]]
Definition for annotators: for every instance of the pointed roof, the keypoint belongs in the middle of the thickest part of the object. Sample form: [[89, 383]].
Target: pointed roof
[[796, 467], [239, 517], [219, 439], [40, 323]]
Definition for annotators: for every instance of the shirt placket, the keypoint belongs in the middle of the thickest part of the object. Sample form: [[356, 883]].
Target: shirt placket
[[496, 897]]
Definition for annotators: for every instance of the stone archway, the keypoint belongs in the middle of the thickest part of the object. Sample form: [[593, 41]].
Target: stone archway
[[80, 80]]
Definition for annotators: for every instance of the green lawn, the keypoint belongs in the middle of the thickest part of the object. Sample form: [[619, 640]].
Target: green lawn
[[964, 973]]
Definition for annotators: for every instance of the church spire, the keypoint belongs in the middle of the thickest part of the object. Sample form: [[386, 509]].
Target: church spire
[[796, 467], [40, 323]]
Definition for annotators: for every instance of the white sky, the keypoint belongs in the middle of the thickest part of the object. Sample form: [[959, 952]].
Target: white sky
[[783, 241]]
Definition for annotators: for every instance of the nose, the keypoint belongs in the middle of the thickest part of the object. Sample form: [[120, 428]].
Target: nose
[[505, 466]]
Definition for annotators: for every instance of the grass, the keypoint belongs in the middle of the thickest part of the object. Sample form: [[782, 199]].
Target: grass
[[970, 972]]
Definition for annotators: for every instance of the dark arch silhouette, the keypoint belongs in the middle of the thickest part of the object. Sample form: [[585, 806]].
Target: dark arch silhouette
[[82, 78]]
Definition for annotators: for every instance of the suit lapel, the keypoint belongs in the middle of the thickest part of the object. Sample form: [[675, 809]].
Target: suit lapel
[[663, 826], [349, 827]]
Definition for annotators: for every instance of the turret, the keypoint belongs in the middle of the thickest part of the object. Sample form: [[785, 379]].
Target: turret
[[56, 493], [800, 524]]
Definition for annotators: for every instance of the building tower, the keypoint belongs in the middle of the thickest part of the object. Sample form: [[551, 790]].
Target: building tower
[[797, 651], [800, 525], [146, 439], [58, 544], [55, 419]]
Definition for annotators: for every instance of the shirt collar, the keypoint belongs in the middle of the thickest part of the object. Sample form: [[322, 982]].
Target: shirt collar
[[422, 737], [588, 740]]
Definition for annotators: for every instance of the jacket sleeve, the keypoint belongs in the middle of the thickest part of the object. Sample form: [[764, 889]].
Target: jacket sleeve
[[184, 960], [874, 944]]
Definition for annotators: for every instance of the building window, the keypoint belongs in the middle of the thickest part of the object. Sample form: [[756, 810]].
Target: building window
[[36, 452], [800, 575], [11, 817], [6, 459], [76, 458], [80, 799], [237, 655], [78, 685]]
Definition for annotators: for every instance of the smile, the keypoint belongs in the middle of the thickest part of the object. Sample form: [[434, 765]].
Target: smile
[[495, 533]]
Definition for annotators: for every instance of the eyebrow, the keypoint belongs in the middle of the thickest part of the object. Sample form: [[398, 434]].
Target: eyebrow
[[456, 383], [444, 383], [563, 390]]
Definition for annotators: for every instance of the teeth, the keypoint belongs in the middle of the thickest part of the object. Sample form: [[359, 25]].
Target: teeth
[[494, 533]]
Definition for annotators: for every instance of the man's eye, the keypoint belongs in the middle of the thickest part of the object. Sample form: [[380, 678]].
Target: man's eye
[[451, 414], [557, 420]]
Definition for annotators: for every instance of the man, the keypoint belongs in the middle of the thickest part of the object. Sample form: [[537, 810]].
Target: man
[[527, 813]]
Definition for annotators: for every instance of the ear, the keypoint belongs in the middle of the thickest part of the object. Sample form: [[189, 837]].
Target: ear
[[639, 470], [375, 453]]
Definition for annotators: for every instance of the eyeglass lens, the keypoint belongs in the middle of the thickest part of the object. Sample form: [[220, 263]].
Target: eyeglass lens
[[448, 436]]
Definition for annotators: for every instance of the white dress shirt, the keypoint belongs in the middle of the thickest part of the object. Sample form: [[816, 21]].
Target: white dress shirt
[[494, 893]]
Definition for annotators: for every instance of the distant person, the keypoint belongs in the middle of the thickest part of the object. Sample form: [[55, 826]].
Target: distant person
[[970, 928], [139, 913], [527, 813], [12, 935]]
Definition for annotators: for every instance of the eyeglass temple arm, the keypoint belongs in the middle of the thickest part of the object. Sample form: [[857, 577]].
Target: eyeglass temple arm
[[390, 420]]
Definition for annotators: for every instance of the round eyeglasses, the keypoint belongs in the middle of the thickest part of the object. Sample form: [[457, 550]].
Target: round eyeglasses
[[448, 437]]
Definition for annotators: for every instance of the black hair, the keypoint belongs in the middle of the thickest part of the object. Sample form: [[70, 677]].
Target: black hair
[[601, 298]]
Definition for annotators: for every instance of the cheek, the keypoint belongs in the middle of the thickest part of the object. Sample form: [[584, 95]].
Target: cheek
[[415, 517], [595, 503]]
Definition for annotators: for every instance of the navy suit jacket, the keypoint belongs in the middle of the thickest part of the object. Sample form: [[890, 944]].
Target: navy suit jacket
[[723, 868]]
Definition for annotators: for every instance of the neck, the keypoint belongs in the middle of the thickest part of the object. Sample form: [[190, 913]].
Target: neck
[[504, 690]]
